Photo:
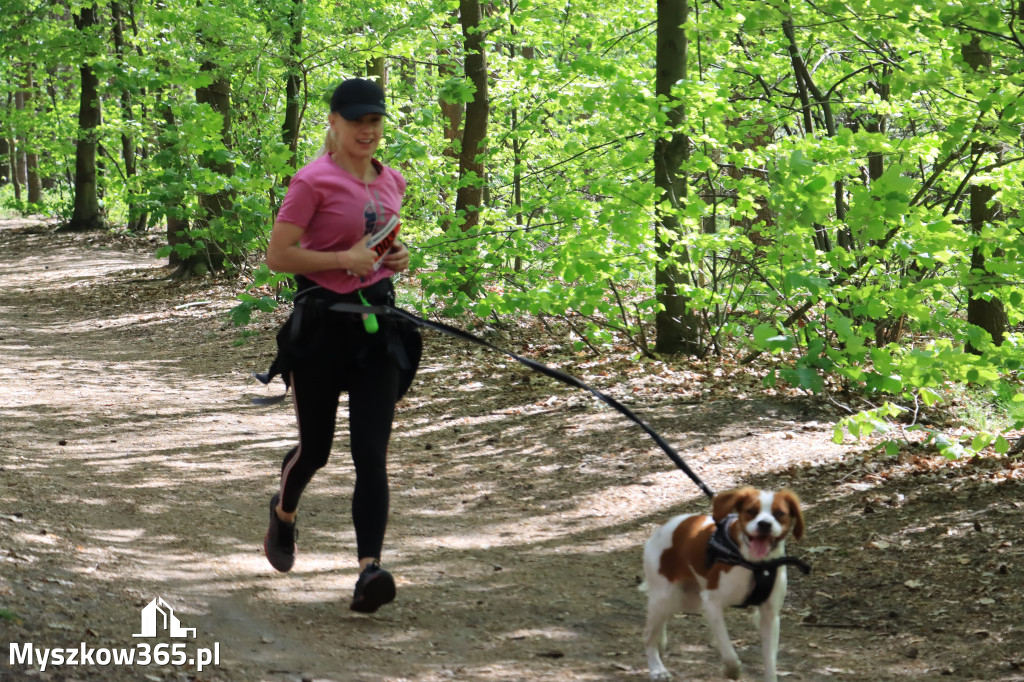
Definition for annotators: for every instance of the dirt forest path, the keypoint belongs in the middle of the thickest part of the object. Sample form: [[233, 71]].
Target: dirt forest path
[[132, 467]]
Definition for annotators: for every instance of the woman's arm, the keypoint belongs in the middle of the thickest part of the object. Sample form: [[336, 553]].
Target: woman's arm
[[285, 255]]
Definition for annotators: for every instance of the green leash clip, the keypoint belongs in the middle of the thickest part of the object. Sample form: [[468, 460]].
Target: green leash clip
[[369, 320]]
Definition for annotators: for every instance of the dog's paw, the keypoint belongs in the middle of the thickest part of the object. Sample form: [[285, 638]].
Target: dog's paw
[[733, 670], [662, 676]]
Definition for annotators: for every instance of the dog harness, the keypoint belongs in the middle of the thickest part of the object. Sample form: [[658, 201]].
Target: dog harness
[[722, 549]]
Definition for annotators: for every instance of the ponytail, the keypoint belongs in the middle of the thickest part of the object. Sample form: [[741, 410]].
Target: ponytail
[[329, 143]]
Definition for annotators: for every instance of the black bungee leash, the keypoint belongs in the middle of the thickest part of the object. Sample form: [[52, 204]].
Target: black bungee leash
[[720, 549], [371, 310]]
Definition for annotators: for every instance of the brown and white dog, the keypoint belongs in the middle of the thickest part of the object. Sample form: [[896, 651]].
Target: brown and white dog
[[679, 576]]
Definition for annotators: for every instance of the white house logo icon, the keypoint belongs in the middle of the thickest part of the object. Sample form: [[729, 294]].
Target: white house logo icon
[[158, 612]]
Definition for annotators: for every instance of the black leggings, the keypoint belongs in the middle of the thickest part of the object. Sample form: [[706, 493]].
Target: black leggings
[[360, 364]]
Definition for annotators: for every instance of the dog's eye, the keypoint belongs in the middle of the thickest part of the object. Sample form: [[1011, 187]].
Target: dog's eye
[[750, 513], [780, 514]]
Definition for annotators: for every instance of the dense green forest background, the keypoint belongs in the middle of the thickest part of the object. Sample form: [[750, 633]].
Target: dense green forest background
[[832, 186]]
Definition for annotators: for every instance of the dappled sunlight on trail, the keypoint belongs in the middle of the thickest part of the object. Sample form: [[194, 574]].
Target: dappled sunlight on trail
[[133, 466]]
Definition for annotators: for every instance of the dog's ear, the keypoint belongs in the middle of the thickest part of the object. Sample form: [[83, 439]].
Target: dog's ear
[[797, 514], [722, 504], [725, 503]]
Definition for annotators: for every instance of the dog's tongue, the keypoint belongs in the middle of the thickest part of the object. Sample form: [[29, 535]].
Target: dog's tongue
[[760, 547]]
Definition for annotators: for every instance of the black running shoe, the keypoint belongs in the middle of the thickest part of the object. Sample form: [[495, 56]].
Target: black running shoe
[[374, 589], [279, 543]]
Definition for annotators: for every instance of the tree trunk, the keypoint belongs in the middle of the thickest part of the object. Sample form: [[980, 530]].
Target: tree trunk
[[293, 87], [86, 214], [805, 88], [377, 69], [19, 164], [65, 175], [469, 197], [407, 75], [213, 206], [32, 182], [136, 219], [5, 161], [518, 146], [177, 216], [517, 179], [8, 149], [12, 167], [677, 328], [474, 131], [452, 113], [889, 329], [989, 313]]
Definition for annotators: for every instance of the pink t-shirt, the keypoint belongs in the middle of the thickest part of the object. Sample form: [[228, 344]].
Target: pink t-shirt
[[336, 210]]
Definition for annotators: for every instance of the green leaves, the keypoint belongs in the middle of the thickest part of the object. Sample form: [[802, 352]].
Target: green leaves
[[802, 187], [865, 423], [834, 237], [457, 91], [769, 338], [242, 313], [804, 377]]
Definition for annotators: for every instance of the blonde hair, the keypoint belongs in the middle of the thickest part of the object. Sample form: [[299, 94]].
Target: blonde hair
[[329, 143]]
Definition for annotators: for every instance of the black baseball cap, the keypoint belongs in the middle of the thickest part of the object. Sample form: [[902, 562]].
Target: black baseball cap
[[356, 98]]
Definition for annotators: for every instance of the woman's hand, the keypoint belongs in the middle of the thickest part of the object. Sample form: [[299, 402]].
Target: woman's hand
[[397, 259], [359, 259]]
